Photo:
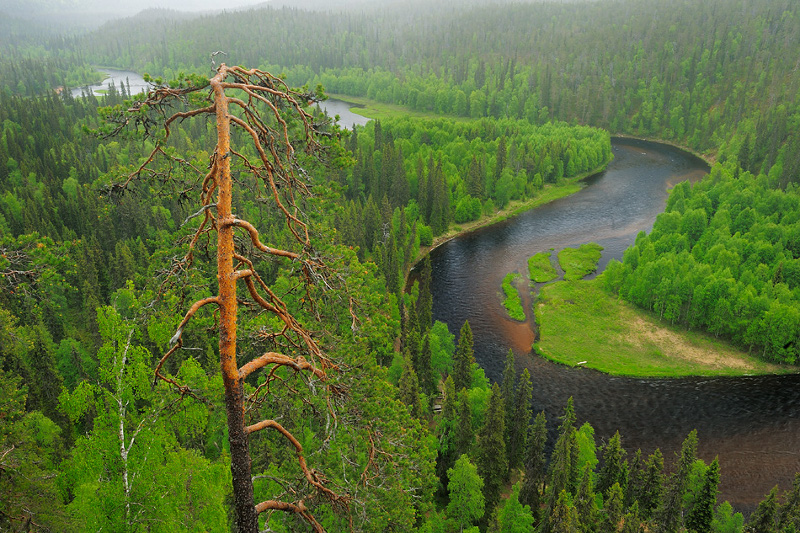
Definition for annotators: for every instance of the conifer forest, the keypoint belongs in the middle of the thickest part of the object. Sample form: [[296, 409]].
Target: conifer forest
[[218, 303]]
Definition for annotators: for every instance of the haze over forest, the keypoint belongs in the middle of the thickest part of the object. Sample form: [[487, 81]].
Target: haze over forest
[[139, 391]]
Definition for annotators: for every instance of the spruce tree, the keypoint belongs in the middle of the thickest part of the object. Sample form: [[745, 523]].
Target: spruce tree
[[425, 298], [463, 359], [409, 392], [670, 518], [613, 470], [585, 501], [612, 517], [564, 517], [507, 389], [789, 515], [424, 369], [535, 464], [649, 495], [699, 519], [492, 461], [446, 430], [763, 520], [518, 441], [464, 436], [450, 400], [633, 523], [563, 463]]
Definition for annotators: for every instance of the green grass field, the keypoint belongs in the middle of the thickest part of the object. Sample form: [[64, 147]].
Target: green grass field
[[578, 262], [540, 269], [579, 321], [512, 301]]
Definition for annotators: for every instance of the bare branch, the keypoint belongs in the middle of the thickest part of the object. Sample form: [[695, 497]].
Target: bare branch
[[272, 358]]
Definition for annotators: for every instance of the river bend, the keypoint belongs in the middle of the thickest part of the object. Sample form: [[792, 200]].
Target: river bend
[[752, 423]]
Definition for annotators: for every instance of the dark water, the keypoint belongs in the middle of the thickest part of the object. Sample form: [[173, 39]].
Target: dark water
[[752, 423]]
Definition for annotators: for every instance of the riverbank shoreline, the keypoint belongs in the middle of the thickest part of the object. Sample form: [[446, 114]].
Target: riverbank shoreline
[[549, 193], [582, 325]]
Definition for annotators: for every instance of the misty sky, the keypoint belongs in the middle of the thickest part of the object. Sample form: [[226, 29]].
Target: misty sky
[[119, 6]]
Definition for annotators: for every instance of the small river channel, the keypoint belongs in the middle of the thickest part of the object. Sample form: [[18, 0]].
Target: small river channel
[[135, 84], [752, 423]]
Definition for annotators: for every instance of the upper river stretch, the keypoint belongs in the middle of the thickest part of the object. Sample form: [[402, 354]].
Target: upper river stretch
[[752, 423]]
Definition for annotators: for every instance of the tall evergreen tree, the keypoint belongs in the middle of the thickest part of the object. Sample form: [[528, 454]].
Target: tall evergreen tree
[[763, 520], [409, 391], [465, 435], [649, 493], [789, 515], [670, 517], [585, 501], [463, 359], [446, 430], [492, 461], [425, 298], [564, 517], [518, 441], [701, 515], [535, 464], [633, 523], [507, 389], [563, 461], [612, 516], [613, 470], [424, 368]]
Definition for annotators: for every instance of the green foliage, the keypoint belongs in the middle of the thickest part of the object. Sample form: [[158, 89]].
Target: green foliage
[[614, 470], [540, 269], [578, 262], [512, 301], [535, 463], [764, 519], [463, 359], [670, 512], [29, 444], [514, 517], [442, 348], [492, 461], [466, 504], [133, 447], [587, 449], [726, 521], [734, 276], [518, 421], [409, 390], [702, 513]]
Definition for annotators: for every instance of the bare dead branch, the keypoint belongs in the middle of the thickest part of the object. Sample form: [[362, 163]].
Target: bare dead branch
[[273, 358]]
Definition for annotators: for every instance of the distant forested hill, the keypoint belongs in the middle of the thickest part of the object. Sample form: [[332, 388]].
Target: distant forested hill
[[717, 76]]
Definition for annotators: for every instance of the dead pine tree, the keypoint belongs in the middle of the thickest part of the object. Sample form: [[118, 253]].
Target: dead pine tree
[[274, 121]]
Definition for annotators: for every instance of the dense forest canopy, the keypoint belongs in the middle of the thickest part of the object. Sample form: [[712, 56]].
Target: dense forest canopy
[[519, 98]]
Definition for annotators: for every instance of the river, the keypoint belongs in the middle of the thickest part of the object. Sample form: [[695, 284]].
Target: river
[[752, 423], [132, 80], [135, 84]]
